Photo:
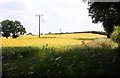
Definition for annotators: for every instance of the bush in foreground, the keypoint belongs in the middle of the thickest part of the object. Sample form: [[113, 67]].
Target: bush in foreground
[[55, 63], [116, 34]]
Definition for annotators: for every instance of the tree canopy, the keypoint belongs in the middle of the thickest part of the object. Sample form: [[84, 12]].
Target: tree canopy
[[116, 34], [12, 27], [107, 13]]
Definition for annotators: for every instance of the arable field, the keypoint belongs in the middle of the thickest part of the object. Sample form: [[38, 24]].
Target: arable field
[[51, 40], [60, 56]]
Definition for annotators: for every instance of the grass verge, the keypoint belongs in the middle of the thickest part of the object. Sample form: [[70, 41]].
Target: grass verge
[[54, 63]]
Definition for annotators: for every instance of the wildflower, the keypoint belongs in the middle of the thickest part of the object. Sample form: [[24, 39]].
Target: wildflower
[[93, 55], [13, 53], [6, 64], [2, 57], [57, 58], [96, 55], [71, 65], [21, 56], [99, 62], [113, 60], [48, 70], [59, 72], [30, 72], [74, 56]]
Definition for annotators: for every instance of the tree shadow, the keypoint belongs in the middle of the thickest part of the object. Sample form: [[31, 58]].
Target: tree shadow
[[85, 38], [47, 37]]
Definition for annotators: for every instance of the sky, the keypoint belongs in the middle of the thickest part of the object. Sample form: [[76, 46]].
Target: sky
[[67, 15]]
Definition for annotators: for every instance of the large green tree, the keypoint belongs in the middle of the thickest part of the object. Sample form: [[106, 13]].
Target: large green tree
[[6, 26], [0, 31], [107, 13], [12, 27]]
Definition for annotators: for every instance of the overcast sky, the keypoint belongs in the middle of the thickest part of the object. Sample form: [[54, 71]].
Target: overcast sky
[[67, 15]]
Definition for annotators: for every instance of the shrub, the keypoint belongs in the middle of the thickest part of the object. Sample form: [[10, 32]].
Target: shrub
[[116, 34]]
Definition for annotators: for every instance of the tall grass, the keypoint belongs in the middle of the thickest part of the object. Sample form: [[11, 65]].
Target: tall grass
[[41, 62]]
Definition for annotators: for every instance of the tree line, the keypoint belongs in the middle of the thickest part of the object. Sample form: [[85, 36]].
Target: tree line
[[14, 28], [93, 32]]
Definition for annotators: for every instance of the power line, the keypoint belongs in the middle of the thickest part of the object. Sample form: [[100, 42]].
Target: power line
[[39, 23]]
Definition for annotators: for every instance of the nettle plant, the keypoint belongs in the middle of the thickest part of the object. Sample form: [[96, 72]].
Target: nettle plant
[[116, 34]]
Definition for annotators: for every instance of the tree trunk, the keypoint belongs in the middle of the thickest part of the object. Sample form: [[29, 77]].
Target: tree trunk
[[108, 35]]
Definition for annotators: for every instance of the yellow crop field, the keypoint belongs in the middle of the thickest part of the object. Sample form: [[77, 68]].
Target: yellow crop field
[[50, 40]]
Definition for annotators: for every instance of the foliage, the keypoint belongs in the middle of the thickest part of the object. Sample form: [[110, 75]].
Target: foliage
[[94, 32], [49, 33], [30, 33], [6, 29], [50, 62], [12, 27], [6, 34], [107, 13], [0, 28], [116, 34]]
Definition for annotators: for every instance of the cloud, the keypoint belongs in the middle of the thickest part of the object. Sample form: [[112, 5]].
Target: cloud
[[12, 6], [69, 15]]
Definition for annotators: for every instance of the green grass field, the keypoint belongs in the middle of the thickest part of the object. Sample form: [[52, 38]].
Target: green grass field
[[55, 56]]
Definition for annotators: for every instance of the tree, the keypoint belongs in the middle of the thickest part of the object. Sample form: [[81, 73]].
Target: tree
[[116, 34], [49, 33], [107, 13], [17, 28], [30, 33], [6, 26], [22, 30], [0, 28], [12, 27]]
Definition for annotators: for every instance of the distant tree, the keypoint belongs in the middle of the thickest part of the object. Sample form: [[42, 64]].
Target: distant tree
[[41, 33], [107, 13], [30, 33], [67, 32], [6, 34], [49, 33], [18, 28], [12, 27], [6, 27], [22, 31], [0, 30]]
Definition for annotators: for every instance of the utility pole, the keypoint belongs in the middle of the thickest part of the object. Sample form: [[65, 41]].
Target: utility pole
[[60, 32], [39, 23]]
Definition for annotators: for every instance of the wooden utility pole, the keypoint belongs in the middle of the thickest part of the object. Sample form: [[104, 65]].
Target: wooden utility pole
[[39, 23], [60, 32]]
